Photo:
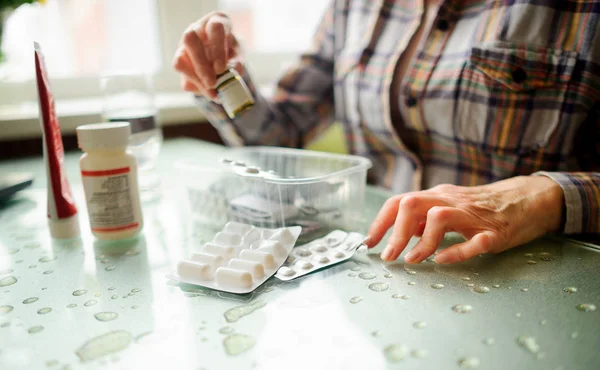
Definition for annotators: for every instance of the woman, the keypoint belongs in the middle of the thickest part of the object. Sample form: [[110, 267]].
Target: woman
[[502, 100]]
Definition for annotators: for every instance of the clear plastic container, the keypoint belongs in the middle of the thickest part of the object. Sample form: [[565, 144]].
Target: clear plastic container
[[276, 187]]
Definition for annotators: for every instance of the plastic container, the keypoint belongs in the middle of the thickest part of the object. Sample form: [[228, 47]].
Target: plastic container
[[277, 187]]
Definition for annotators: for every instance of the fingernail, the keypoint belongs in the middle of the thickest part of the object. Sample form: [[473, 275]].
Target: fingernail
[[220, 66], [387, 253], [411, 255], [442, 258], [367, 241]]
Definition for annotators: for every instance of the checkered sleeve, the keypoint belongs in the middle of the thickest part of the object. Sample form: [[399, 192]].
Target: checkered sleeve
[[300, 108]]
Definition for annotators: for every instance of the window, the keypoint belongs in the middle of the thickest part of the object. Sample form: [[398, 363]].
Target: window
[[84, 38]]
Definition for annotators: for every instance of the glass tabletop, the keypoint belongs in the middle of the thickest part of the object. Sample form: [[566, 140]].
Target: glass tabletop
[[86, 305]]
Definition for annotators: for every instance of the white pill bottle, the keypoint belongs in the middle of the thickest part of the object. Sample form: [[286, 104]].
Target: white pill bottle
[[110, 183]]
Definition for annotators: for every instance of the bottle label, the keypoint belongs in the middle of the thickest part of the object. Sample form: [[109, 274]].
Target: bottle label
[[138, 124], [235, 97], [110, 199]]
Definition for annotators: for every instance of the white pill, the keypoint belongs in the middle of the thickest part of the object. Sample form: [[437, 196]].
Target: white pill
[[274, 247], [194, 270], [290, 260], [219, 250], [321, 259], [286, 271], [319, 248], [264, 258], [227, 276], [283, 235], [256, 269], [209, 259], [305, 265], [339, 255], [302, 253], [237, 228], [228, 239], [252, 236]]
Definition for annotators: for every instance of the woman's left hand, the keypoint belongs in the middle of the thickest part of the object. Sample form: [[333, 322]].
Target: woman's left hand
[[492, 218]]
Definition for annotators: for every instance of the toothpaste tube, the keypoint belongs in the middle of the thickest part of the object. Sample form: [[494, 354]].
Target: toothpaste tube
[[62, 212]]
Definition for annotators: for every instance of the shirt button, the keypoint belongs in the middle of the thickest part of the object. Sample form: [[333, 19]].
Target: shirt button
[[518, 75], [443, 25], [411, 101]]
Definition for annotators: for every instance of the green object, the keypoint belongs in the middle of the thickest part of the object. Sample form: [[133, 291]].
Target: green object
[[332, 141], [301, 324]]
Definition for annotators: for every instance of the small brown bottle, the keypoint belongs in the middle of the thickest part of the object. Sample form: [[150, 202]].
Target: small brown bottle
[[234, 94]]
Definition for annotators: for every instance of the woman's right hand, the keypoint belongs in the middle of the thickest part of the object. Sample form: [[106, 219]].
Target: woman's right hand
[[206, 48]]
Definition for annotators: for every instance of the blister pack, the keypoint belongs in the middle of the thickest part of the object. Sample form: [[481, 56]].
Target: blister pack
[[239, 259], [335, 247]]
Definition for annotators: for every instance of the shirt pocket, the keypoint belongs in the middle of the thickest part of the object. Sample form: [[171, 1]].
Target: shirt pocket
[[511, 97]]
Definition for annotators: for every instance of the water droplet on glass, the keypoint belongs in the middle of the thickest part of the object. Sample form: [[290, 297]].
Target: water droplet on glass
[[481, 289], [136, 290], [103, 345], [132, 252], [437, 286], [570, 290], [411, 283], [32, 266], [469, 362], [130, 294], [462, 308], [531, 262], [465, 278], [367, 275], [9, 280], [135, 307], [355, 268], [404, 296], [71, 305], [47, 259], [6, 309], [496, 286], [352, 274], [5, 324], [226, 330], [586, 307], [388, 276], [45, 310], [238, 343], [236, 313], [379, 287], [476, 273], [104, 260], [51, 363], [30, 300], [419, 353], [430, 259], [110, 268], [112, 288], [524, 289], [420, 324], [114, 296], [8, 271], [574, 335], [90, 303], [470, 285], [79, 292], [528, 255], [35, 329], [356, 299], [395, 352], [518, 314], [411, 272], [48, 272], [125, 296], [376, 333], [489, 341], [528, 343], [106, 316], [97, 294], [543, 322]]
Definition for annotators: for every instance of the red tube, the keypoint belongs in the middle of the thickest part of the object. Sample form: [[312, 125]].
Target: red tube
[[62, 212]]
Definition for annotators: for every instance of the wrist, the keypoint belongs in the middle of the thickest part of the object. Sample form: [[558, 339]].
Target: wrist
[[549, 202]]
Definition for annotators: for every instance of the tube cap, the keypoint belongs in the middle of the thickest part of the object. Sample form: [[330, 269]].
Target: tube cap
[[107, 135], [65, 228]]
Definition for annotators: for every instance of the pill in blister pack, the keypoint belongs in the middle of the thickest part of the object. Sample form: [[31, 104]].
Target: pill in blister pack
[[239, 258], [335, 247]]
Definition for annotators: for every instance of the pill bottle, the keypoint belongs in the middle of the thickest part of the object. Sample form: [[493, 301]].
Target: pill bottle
[[110, 183], [234, 94]]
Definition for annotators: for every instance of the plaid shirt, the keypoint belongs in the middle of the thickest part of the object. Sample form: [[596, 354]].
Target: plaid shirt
[[498, 89]]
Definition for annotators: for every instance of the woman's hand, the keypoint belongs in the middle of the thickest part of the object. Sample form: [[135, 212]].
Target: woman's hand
[[206, 47], [492, 218]]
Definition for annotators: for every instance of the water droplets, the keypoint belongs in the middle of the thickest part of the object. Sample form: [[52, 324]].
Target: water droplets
[[352, 274], [103, 345], [437, 286], [489, 341], [110, 268], [45, 310], [106, 316], [7, 281], [30, 300], [46, 259], [528, 255], [238, 343], [586, 307], [72, 305], [528, 343], [574, 335], [48, 272], [5, 310], [481, 289], [411, 272], [531, 262], [90, 303], [379, 287], [112, 288], [114, 296], [469, 362], [136, 290], [419, 353], [465, 278], [356, 299], [401, 296], [411, 283], [420, 324], [543, 322], [355, 268], [496, 286], [367, 275], [395, 352], [79, 292], [462, 308], [226, 330], [525, 290], [388, 275], [35, 329], [570, 290], [236, 313]]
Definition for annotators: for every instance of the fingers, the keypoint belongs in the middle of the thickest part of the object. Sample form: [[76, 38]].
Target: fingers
[[420, 229], [439, 220], [384, 220], [217, 32], [480, 243], [412, 210], [183, 65], [196, 51]]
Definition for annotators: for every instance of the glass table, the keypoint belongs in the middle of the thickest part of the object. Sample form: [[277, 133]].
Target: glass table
[[84, 305]]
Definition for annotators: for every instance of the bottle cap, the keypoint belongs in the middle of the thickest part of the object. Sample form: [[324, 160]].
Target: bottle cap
[[65, 228], [110, 135]]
